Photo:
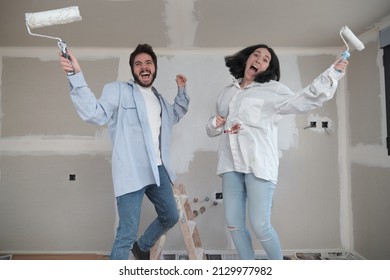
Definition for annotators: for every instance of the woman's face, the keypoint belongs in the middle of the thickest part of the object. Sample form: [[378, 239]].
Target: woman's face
[[257, 63]]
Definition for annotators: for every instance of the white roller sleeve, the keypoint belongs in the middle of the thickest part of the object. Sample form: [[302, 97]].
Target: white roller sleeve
[[53, 17], [347, 33]]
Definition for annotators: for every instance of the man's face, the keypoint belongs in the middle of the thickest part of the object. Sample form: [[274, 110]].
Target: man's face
[[144, 70]]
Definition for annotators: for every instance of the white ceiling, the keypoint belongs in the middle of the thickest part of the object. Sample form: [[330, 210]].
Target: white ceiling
[[194, 23]]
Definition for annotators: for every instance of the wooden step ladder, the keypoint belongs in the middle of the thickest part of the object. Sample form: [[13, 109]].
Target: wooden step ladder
[[188, 227]]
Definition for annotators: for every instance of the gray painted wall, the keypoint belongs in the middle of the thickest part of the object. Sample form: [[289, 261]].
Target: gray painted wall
[[325, 179], [370, 176]]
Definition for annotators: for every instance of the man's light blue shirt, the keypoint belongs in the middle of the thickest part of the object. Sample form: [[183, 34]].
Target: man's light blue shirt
[[122, 107]]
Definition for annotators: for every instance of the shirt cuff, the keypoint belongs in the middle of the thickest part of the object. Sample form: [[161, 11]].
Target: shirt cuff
[[334, 74], [214, 122], [77, 80]]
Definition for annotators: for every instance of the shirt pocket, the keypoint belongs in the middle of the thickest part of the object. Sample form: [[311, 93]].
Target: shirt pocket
[[250, 110], [130, 112]]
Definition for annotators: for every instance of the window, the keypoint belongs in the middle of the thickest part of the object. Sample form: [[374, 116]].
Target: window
[[385, 45]]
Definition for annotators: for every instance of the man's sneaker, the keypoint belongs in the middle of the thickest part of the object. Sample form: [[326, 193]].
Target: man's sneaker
[[139, 254]]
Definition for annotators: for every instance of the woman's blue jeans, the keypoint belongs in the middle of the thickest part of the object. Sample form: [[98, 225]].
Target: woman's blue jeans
[[240, 189], [129, 211]]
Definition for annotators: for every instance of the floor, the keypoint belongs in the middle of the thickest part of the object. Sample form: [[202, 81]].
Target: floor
[[55, 257], [325, 255]]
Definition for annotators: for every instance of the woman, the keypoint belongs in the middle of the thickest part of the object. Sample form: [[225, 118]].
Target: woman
[[247, 115]]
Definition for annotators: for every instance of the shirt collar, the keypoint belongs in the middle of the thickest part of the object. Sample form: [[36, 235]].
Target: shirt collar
[[236, 83]]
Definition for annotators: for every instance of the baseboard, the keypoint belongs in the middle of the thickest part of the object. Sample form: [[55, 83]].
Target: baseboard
[[6, 257], [306, 254]]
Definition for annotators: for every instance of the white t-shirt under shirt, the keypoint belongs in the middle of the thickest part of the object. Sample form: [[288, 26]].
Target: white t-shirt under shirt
[[154, 115]]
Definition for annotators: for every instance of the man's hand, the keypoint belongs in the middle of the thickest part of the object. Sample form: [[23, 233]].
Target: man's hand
[[69, 65], [181, 80]]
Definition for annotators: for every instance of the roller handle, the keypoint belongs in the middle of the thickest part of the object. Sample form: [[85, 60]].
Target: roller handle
[[64, 51], [345, 55]]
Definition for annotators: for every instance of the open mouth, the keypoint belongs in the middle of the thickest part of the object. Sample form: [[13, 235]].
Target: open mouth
[[253, 69], [145, 74]]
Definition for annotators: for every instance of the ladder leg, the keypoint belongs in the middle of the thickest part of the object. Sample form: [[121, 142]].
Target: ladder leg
[[188, 226], [155, 252]]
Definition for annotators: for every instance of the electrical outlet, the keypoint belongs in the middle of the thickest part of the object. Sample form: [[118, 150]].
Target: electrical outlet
[[312, 124], [319, 124]]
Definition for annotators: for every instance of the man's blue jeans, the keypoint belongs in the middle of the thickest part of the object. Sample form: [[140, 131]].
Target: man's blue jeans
[[129, 211], [238, 189]]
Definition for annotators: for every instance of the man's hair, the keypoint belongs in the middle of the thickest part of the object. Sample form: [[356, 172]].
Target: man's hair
[[237, 62], [142, 48]]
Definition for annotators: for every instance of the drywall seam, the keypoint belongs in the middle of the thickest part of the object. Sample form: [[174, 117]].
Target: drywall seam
[[1, 79], [382, 96], [93, 53], [180, 21], [346, 222], [39, 145]]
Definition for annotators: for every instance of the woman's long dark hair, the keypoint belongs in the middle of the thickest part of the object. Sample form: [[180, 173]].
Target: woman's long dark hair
[[237, 62]]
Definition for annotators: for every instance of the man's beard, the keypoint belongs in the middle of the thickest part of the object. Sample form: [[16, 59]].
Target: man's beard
[[139, 82]]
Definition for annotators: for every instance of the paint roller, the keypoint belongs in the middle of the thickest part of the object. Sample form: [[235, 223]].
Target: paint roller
[[346, 33], [53, 17]]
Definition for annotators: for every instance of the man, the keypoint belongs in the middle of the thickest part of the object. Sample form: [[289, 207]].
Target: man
[[140, 122]]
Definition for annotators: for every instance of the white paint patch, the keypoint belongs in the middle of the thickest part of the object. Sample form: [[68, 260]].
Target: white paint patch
[[290, 76], [181, 23], [206, 76], [370, 155], [124, 70]]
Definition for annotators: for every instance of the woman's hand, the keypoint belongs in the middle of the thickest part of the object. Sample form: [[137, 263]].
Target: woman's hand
[[219, 121], [341, 65]]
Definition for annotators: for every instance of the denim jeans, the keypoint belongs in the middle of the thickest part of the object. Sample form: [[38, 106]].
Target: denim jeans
[[129, 211], [240, 189]]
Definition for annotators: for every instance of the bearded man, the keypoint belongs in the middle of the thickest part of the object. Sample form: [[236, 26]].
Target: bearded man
[[140, 122]]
